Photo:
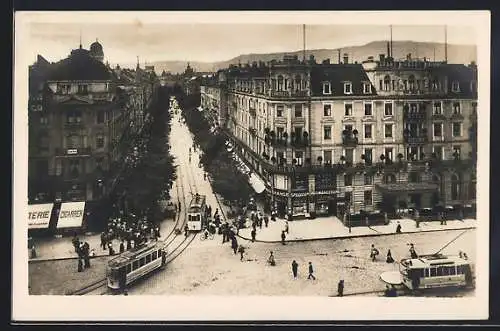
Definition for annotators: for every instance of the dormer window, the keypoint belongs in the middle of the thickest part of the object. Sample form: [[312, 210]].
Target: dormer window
[[327, 88], [367, 88], [347, 88], [455, 87]]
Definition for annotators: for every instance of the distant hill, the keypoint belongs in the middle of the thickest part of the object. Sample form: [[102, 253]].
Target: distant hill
[[456, 54]]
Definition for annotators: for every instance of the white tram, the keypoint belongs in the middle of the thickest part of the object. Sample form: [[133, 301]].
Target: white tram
[[197, 218], [435, 271], [134, 264]]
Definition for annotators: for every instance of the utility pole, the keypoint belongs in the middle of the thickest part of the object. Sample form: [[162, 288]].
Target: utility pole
[[304, 43], [445, 44]]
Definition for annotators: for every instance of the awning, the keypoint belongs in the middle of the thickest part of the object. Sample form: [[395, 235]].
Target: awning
[[257, 184], [71, 215], [407, 187], [39, 215]]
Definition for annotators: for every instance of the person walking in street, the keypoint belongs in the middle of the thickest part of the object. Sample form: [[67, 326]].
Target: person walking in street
[[103, 240], [80, 265], [389, 257], [311, 270], [253, 233], [398, 228], [186, 230], [295, 269], [270, 259], [266, 221], [340, 288], [373, 253], [286, 227], [241, 250], [283, 237], [234, 246], [413, 253]]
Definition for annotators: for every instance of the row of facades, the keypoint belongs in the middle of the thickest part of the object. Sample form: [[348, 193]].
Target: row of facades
[[82, 117], [385, 134]]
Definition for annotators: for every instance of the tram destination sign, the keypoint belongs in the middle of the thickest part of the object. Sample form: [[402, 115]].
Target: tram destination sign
[[39, 215], [71, 215]]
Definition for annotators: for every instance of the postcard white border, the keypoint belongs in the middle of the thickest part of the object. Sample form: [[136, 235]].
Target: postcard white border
[[185, 308]]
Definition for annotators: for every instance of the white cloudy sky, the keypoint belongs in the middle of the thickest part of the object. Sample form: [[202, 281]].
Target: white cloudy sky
[[123, 42]]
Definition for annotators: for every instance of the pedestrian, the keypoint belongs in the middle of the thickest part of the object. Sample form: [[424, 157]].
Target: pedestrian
[[295, 269], [271, 260], [186, 229], [260, 223], [241, 250], [122, 247], [398, 228], [266, 221], [253, 233], [283, 237], [110, 248], [80, 265], [413, 253], [389, 257], [103, 240], [273, 218], [311, 270], [340, 288], [286, 227], [86, 254], [373, 253], [234, 246]]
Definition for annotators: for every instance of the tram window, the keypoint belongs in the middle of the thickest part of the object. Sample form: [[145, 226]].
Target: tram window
[[433, 272], [148, 258], [453, 271], [135, 265], [129, 268], [460, 270], [426, 273], [159, 252], [446, 271], [439, 271], [155, 255], [141, 262]]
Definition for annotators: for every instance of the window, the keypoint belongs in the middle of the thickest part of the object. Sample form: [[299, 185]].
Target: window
[[279, 110], [389, 154], [100, 117], [388, 109], [368, 109], [327, 110], [387, 81], [327, 88], [299, 156], [456, 108], [44, 120], [142, 261], [457, 129], [368, 131], [327, 132], [438, 150], [129, 268], [411, 82], [438, 130], [280, 83], [367, 88], [348, 180], [368, 155], [82, 89], [368, 179], [455, 86], [380, 86], [347, 88], [298, 110], [73, 116], [437, 108], [148, 258], [388, 130], [155, 255], [348, 109], [368, 198], [99, 141], [349, 155], [135, 265], [327, 157]]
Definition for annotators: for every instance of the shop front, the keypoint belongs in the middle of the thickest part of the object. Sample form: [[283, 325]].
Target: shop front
[[71, 216], [403, 197]]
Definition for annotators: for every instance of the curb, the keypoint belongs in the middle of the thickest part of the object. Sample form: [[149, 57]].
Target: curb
[[350, 237]]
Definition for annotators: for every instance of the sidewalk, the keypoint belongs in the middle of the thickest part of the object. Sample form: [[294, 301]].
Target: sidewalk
[[332, 227]]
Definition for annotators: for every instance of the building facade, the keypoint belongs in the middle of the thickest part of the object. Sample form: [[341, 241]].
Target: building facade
[[78, 137], [330, 138], [214, 99]]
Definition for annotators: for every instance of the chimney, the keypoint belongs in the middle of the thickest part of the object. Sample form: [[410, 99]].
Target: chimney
[[388, 50], [346, 58]]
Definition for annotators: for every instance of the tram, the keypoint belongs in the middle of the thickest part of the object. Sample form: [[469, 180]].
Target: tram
[[134, 264], [197, 217], [431, 272]]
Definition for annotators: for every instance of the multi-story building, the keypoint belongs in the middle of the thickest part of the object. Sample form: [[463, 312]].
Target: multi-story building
[[373, 136], [214, 99], [77, 138]]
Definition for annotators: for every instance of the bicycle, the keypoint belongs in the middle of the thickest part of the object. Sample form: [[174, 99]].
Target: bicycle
[[208, 235]]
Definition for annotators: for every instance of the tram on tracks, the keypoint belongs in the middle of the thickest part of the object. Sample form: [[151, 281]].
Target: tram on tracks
[[431, 272], [134, 264], [197, 213]]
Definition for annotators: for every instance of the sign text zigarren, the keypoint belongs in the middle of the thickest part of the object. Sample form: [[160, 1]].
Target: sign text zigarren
[[71, 213]]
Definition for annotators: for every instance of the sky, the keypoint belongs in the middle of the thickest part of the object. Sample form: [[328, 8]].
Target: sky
[[123, 42]]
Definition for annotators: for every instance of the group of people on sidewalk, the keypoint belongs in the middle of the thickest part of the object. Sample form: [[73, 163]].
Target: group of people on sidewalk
[[84, 253]]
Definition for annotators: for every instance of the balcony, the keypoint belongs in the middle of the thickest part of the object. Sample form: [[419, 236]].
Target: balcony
[[457, 117], [300, 93], [279, 94], [416, 140], [414, 115], [438, 117], [350, 138], [71, 152]]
